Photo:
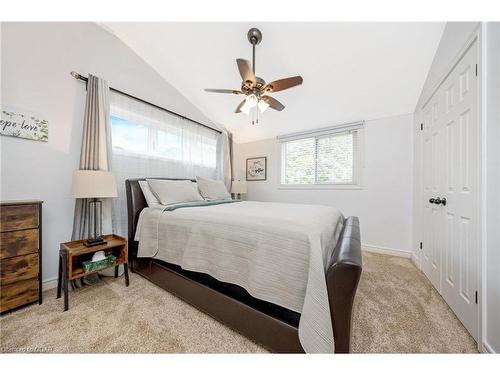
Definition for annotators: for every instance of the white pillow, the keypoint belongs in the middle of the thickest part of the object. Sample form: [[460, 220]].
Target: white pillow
[[212, 189], [171, 191], [151, 200]]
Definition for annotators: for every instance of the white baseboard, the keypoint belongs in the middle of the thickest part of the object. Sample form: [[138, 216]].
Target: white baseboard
[[386, 251], [487, 348], [415, 260], [49, 284]]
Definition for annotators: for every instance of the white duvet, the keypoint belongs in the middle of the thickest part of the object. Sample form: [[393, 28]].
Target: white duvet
[[277, 251]]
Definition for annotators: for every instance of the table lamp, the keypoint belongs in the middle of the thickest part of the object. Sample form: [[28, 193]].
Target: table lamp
[[238, 187], [94, 185]]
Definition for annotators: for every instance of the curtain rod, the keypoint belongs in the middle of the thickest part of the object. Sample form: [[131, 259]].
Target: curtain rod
[[85, 79]]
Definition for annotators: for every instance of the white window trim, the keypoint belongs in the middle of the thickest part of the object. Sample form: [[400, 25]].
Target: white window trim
[[358, 163]]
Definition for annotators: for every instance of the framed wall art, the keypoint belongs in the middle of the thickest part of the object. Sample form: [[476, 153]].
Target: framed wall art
[[257, 169]]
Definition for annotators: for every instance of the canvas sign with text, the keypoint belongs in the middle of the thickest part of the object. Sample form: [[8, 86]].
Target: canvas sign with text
[[23, 124]]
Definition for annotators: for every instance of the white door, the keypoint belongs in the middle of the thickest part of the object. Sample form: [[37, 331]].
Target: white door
[[451, 160], [431, 260]]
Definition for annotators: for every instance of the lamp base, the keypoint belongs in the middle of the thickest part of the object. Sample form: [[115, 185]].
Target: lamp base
[[94, 241]]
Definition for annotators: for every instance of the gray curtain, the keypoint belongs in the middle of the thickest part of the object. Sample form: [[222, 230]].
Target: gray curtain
[[225, 158], [94, 155]]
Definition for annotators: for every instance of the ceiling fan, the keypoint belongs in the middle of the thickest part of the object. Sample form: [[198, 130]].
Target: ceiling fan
[[255, 88]]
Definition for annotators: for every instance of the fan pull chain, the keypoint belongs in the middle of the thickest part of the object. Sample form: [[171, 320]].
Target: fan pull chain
[[255, 115]]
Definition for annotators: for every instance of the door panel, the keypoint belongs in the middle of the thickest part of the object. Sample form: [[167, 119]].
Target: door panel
[[430, 262], [450, 161]]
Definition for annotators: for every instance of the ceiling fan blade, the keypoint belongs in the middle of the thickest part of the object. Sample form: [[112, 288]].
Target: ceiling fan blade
[[224, 91], [238, 109], [283, 84], [273, 103], [246, 71]]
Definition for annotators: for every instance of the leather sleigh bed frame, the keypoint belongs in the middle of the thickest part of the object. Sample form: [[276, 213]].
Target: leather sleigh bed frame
[[269, 325]]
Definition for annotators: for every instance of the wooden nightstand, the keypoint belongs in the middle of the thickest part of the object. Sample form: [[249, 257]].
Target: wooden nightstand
[[73, 254]]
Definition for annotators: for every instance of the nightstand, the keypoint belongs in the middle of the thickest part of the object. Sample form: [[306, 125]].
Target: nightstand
[[73, 254]]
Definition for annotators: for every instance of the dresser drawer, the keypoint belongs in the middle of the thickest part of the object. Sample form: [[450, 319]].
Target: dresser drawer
[[18, 268], [18, 294], [19, 242], [18, 217]]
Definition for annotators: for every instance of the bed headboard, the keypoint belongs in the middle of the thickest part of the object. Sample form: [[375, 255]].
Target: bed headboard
[[135, 204]]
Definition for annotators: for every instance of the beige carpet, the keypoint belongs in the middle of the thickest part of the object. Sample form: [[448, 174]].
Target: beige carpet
[[396, 311]]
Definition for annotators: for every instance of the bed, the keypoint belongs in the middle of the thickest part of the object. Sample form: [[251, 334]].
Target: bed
[[273, 324]]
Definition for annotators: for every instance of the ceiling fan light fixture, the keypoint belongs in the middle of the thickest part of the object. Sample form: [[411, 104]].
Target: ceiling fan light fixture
[[246, 108], [251, 100], [263, 105]]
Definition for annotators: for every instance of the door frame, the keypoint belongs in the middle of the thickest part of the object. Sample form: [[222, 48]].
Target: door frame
[[475, 37]]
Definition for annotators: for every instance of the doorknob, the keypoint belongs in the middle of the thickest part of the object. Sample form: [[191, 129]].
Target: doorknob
[[440, 201]]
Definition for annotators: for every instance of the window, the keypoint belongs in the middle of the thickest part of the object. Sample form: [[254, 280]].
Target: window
[[150, 142], [328, 158], [128, 136], [139, 131]]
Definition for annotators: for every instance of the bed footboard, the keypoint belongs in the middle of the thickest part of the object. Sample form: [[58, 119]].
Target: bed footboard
[[342, 278]]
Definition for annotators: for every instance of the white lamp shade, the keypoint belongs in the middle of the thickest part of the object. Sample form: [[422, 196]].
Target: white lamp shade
[[263, 105], [93, 184], [246, 108], [239, 187], [251, 100]]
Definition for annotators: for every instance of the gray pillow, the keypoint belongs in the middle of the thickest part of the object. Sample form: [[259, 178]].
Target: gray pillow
[[170, 191], [212, 189], [151, 199]]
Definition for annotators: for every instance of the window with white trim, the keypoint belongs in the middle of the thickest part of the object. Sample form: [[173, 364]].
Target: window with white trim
[[326, 157], [140, 130]]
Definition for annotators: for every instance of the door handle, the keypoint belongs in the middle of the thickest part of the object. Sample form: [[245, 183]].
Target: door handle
[[440, 201]]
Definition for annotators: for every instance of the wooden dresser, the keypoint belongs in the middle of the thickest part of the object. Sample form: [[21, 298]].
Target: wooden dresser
[[20, 254]]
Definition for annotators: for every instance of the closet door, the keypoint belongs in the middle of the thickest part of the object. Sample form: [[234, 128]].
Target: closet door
[[461, 160], [432, 185], [450, 190]]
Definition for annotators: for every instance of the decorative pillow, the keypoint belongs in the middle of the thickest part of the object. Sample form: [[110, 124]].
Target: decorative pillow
[[212, 189], [151, 199], [171, 191]]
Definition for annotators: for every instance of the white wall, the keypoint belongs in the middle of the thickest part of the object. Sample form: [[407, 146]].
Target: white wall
[[383, 205], [36, 61], [0, 64], [454, 36]]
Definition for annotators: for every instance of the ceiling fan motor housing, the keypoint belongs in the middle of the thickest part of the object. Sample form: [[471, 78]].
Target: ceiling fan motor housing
[[248, 87]]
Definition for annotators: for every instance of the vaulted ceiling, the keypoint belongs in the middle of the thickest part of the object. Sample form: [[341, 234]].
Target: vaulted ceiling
[[351, 71]]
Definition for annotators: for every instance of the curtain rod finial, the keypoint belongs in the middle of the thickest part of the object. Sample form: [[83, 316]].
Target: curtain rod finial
[[75, 74]]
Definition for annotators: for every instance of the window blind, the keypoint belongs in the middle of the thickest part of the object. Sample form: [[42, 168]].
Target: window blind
[[322, 131], [326, 158]]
